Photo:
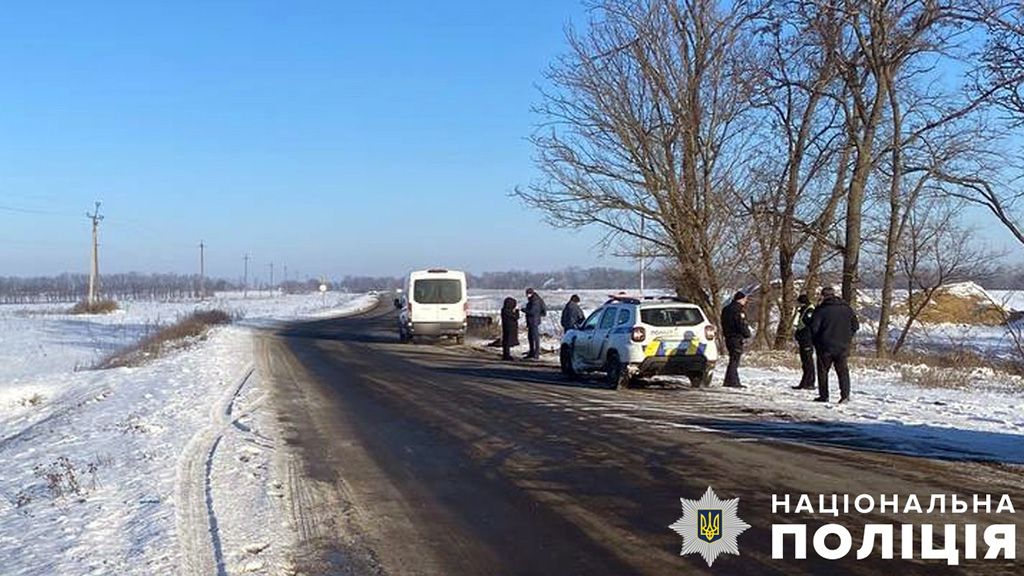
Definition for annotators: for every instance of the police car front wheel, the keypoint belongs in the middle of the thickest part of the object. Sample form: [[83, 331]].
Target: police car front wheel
[[617, 372]]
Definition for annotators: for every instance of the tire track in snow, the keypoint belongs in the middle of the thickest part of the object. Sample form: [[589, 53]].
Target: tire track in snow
[[199, 545]]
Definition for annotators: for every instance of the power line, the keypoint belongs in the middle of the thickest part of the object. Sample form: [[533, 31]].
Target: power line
[[17, 210]]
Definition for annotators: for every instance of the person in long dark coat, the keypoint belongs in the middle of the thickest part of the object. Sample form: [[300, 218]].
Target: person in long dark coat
[[735, 330], [509, 327], [832, 328], [535, 310], [804, 315]]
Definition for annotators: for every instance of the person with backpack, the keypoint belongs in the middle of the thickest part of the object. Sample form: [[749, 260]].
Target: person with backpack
[[535, 310]]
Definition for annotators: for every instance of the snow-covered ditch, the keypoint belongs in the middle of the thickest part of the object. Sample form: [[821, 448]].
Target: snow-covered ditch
[[114, 471]]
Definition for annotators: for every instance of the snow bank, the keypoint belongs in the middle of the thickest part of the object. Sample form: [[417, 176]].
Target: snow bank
[[968, 290], [113, 471]]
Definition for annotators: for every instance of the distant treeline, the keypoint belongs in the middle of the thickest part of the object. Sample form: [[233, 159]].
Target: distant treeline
[[580, 278], [122, 287], [67, 288], [1006, 277]]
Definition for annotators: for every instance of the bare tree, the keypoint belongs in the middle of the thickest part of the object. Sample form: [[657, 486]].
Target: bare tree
[[934, 253], [929, 140], [874, 44], [645, 120], [805, 132]]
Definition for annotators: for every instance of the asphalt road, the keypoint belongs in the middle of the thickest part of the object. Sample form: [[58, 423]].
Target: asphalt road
[[433, 459]]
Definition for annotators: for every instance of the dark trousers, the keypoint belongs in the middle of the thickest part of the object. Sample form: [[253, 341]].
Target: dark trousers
[[732, 372], [533, 334], [826, 361], [807, 364]]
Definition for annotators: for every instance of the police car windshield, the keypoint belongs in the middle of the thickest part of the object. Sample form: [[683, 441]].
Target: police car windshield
[[671, 316]]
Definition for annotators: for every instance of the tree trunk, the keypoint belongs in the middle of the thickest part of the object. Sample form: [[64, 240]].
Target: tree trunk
[[855, 200], [785, 330], [854, 212], [892, 237]]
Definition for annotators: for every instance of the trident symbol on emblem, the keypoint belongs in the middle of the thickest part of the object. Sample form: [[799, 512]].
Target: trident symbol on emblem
[[710, 525]]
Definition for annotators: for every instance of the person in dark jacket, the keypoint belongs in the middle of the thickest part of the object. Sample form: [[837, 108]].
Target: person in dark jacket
[[509, 327], [832, 328], [535, 310], [804, 314], [735, 330], [572, 314]]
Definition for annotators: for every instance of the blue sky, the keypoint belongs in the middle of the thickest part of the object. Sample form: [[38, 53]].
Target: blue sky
[[331, 137]]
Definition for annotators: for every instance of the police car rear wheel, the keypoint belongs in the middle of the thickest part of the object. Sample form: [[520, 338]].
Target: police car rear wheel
[[701, 380]]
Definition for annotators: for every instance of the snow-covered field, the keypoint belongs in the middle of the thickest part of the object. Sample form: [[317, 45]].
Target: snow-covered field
[[111, 471], [39, 339], [994, 342]]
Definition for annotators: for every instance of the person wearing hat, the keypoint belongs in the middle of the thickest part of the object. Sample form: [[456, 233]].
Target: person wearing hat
[[832, 328], [572, 314], [735, 330], [802, 333]]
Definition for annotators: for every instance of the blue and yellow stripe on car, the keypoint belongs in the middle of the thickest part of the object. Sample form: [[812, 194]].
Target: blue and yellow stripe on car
[[691, 347]]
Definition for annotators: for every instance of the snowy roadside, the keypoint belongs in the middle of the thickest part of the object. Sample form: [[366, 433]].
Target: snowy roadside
[[972, 413], [982, 419], [142, 470], [977, 422]]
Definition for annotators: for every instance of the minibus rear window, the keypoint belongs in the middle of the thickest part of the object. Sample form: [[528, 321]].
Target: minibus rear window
[[437, 291]]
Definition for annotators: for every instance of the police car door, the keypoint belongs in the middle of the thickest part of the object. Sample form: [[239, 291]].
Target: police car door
[[585, 340], [599, 342]]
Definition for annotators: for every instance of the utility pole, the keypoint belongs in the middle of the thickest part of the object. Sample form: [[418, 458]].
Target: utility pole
[[94, 272], [245, 279], [643, 221], [202, 270], [271, 278]]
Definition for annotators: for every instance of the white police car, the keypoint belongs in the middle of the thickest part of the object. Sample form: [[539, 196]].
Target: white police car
[[631, 338]]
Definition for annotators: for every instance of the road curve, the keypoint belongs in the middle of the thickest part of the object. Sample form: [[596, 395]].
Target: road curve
[[419, 459]]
